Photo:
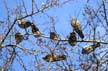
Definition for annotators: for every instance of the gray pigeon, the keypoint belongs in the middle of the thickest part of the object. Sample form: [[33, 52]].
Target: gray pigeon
[[77, 27]]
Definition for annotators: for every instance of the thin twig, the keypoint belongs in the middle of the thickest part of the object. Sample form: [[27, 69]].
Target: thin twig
[[105, 13]]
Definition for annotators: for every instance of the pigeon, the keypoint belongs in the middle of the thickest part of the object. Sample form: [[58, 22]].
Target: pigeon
[[77, 27], [35, 31], [72, 39], [18, 37], [24, 24], [53, 35], [54, 57], [90, 48]]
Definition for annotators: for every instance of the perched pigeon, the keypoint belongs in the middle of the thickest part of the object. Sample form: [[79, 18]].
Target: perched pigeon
[[77, 27], [90, 48], [35, 31], [24, 24], [54, 57], [53, 35], [18, 37], [72, 39]]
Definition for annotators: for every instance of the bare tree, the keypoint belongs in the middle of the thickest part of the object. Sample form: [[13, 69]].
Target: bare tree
[[53, 35]]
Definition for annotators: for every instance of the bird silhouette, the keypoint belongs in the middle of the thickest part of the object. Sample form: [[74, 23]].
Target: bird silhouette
[[90, 48], [77, 27], [18, 37], [54, 57], [72, 39], [24, 24], [53, 35], [35, 31]]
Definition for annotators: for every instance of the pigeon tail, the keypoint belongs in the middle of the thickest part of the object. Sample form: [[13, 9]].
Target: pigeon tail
[[80, 33]]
